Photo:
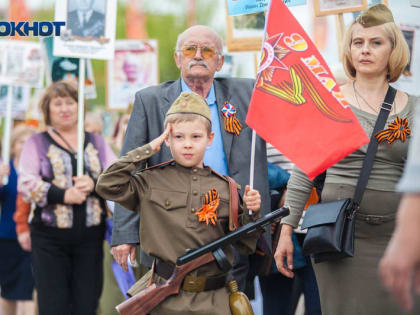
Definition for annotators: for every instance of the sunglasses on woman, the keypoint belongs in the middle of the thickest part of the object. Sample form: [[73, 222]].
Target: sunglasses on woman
[[191, 50]]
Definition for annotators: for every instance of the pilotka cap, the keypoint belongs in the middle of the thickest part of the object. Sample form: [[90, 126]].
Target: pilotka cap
[[190, 103], [375, 15]]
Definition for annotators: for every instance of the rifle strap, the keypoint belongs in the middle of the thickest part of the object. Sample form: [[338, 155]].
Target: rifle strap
[[153, 272], [233, 204], [233, 201]]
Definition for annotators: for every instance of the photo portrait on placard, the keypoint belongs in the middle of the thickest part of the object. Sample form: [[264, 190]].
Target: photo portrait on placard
[[22, 63], [135, 66], [66, 68], [20, 101], [86, 18], [89, 31]]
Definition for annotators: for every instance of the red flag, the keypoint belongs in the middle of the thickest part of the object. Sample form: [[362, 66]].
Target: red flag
[[296, 104]]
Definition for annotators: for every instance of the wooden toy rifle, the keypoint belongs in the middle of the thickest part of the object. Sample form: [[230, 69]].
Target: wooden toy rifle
[[146, 300]]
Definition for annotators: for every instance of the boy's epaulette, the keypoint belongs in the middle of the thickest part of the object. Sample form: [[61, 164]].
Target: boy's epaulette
[[160, 165]]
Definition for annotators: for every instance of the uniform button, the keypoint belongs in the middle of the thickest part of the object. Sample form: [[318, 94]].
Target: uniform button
[[195, 170], [195, 192], [192, 210], [137, 156], [194, 178], [167, 203], [147, 151]]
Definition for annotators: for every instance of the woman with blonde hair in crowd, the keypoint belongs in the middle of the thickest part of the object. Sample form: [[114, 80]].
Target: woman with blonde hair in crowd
[[375, 54], [68, 225], [16, 280]]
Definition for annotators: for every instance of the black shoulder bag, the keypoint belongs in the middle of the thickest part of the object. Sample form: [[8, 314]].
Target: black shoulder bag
[[331, 224]]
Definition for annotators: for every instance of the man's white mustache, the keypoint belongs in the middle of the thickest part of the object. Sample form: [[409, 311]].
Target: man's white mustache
[[197, 63]]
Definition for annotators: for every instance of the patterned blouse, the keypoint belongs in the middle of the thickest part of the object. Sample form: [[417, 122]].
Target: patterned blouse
[[45, 172]]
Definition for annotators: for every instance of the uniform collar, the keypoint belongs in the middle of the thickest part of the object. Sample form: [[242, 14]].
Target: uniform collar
[[206, 171], [211, 97]]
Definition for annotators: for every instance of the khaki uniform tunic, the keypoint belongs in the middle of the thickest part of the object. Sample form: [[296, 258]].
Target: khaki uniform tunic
[[168, 198]]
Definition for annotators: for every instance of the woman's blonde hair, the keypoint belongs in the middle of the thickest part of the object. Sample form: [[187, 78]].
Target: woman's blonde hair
[[398, 59], [57, 89], [19, 132]]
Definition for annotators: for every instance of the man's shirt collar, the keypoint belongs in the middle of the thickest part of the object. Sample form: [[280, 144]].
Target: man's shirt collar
[[211, 97]]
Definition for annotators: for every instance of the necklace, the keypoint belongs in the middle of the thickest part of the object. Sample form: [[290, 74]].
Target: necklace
[[357, 94], [65, 141]]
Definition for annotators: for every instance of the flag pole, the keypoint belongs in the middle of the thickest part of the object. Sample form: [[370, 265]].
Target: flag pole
[[81, 117], [252, 166], [251, 169], [254, 135], [6, 131]]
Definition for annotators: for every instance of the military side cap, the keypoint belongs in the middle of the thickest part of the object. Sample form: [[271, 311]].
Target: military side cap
[[190, 103], [375, 15]]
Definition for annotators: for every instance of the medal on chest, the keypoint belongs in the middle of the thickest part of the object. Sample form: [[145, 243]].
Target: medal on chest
[[232, 124], [398, 129], [208, 212]]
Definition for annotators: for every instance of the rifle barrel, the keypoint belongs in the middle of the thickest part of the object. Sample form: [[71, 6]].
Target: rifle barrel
[[231, 237]]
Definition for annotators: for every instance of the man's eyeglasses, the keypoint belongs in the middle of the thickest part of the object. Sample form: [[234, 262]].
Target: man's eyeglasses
[[191, 50]]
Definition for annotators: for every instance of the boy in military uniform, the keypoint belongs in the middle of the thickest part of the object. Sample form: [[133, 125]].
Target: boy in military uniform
[[183, 205]]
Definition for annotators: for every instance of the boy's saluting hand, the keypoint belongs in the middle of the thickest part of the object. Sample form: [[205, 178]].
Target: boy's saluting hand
[[252, 199], [157, 143]]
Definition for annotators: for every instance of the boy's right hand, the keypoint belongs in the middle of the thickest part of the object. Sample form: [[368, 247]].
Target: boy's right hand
[[157, 143]]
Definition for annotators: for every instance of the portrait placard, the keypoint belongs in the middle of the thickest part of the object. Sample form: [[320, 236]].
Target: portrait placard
[[89, 31], [237, 7], [21, 63], [245, 32], [20, 101], [415, 3], [409, 80], [227, 70], [66, 68], [135, 66], [328, 7]]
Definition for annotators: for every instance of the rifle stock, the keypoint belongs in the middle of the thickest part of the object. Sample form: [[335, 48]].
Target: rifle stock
[[146, 300]]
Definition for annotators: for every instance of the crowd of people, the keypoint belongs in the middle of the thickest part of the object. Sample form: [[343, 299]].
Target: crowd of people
[[82, 244]]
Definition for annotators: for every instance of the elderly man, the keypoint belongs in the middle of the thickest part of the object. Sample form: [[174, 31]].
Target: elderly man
[[199, 56]]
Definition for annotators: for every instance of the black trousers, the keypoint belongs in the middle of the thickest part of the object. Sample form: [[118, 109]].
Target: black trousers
[[68, 271]]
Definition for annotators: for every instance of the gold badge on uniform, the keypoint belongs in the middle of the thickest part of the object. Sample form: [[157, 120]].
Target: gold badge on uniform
[[398, 129], [207, 213], [232, 124]]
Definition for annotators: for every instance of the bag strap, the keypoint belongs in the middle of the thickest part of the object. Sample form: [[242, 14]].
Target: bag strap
[[373, 145]]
